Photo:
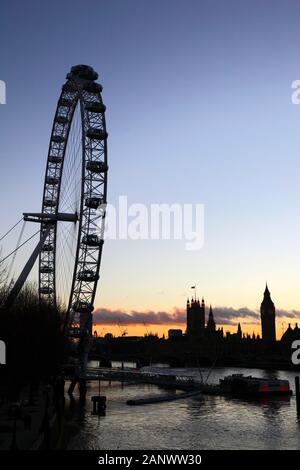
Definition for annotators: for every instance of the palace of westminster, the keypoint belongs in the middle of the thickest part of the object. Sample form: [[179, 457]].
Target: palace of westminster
[[204, 343], [205, 335]]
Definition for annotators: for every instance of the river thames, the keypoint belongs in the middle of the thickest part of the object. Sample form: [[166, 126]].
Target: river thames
[[196, 423]]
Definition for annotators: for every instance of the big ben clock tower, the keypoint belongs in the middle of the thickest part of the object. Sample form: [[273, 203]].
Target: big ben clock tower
[[267, 314]]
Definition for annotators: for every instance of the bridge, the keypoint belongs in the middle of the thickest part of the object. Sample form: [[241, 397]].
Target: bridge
[[180, 382]]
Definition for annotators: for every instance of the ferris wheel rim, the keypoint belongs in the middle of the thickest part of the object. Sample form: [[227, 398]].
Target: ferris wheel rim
[[81, 90]]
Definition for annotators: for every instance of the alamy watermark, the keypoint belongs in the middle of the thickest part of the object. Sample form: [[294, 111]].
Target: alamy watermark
[[2, 92], [295, 97], [296, 354], [2, 352], [155, 222]]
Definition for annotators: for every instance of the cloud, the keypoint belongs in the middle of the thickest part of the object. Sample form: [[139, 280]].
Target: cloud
[[222, 316], [230, 315], [112, 317], [294, 314]]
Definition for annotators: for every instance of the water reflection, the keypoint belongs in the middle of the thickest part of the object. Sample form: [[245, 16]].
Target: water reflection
[[206, 422]]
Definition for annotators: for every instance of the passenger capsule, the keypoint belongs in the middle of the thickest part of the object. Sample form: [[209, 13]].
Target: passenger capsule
[[91, 240], [55, 159], [93, 202], [58, 139], [96, 134], [92, 87], [46, 269], [83, 71], [69, 87], [82, 307], [49, 202], [87, 276], [47, 247], [61, 119], [52, 180], [96, 167], [95, 107], [65, 102], [46, 290]]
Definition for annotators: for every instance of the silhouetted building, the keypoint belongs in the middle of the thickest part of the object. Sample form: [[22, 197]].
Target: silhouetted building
[[196, 329], [288, 337], [267, 314], [239, 331], [211, 324], [174, 333], [236, 336], [195, 318], [205, 342]]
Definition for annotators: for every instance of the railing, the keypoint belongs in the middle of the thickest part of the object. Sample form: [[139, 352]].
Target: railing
[[138, 376]]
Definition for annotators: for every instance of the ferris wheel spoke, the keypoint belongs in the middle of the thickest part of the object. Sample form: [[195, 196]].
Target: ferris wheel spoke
[[76, 187]]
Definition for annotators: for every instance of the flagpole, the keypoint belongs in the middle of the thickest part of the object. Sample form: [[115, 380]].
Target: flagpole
[[194, 287]]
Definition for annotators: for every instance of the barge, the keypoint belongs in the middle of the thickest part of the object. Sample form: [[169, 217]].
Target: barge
[[240, 385]]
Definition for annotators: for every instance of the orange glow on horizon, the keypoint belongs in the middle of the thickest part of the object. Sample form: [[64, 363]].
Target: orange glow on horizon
[[162, 329]]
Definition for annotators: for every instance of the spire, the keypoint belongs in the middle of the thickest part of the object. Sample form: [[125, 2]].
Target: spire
[[267, 292], [267, 300], [211, 325]]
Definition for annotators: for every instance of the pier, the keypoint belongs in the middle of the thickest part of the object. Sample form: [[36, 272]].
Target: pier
[[139, 376]]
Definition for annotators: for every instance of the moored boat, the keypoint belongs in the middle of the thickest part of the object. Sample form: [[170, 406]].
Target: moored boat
[[240, 385]]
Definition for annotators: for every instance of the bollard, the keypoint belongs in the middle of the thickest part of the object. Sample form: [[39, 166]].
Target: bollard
[[297, 394], [99, 405]]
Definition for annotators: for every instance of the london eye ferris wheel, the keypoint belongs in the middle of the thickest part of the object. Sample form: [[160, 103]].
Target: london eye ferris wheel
[[74, 200]]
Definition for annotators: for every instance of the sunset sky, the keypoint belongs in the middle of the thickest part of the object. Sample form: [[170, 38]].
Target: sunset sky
[[199, 110]]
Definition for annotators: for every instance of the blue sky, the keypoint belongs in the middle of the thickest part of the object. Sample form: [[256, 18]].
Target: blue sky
[[198, 111]]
